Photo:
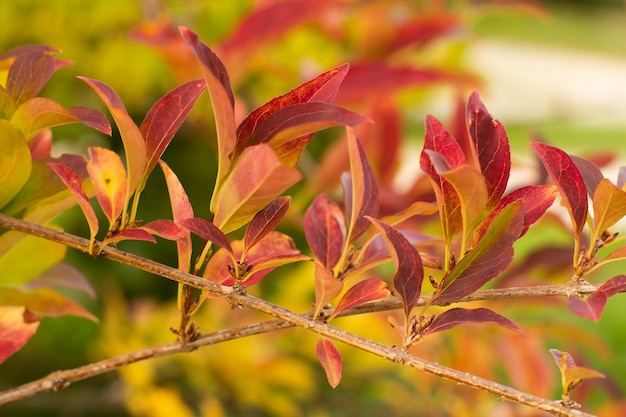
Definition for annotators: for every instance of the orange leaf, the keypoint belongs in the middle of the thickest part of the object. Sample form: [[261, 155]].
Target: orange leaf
[[16, 328], [327, 287], [108, 178], [330, 359]]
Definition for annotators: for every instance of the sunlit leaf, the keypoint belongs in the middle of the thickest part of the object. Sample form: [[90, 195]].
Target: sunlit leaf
[[409, 268], [327, 287], [569, 181], [457, 316], [222, 99], [472, 192], [17, 326], [362, 197], [207, 231], [609, 206], [571, 375], [322, 88], [134, 145], [330, 359], [371, 289], [490, 148], [491, 256], [324, 230], [29, 73], [165, 118], [181, 209], [418, 208], [108, 178], [40, 113], [43, 302], [256, 179], [15, 161], [265, 221]]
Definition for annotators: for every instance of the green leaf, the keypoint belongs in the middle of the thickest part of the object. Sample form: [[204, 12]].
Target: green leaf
[[15, 162], [256, 179]]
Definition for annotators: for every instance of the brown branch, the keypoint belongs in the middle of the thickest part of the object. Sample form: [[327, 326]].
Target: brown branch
[[392, 354]]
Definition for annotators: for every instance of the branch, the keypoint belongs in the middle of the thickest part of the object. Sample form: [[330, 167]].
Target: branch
[[392, 354]]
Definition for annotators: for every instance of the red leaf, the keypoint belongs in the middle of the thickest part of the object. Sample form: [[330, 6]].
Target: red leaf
[[92, 118], [362, 292], [569, 181], [456, 316], [324, 230], [590, 308], [327, 287], [590, 172], [330, 359], [17, 326], [265, 221], [166, 229], [322, 88], [207, 231], [40, 145], [299, 120], [614, 285], [609, 206], [409, 268], [108, 178], [255, 180], [75, 184], [491, 256], [134, 233], [134, 145], [165, 118], [29, 73], [181, 209], [222, 99], [361, 195], [490, 147]]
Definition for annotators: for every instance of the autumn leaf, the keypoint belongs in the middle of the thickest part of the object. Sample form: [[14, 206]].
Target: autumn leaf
[[265, 221], [330, 359], [15, 161], [571, 375], [108, 178], [592, 307], [207, 231], [327, 287], [370, 289], [29, 73], [609, 206], [569, 181], [457, 316], [324, 230], [38, 114], [590, 172], [490, 148], [409, 268], [17, 326], [43, 302]]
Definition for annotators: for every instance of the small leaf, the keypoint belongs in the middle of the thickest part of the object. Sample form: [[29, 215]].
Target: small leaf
[[591, 308], [327, 287], [609, 206], [40, 145], [15, 162], [491, 256], [38, 114], [472, 193], [207, 231], [166, 229], [256, 179], [330, 359], [43, 302], [490, 148], [371, 289], [165, 118], [571, 375], [92, 118], [62, 275], [108, 178], [457, 316], [409, 268], [181, 209], [418, 208], [29, 73], [569, 181], [590, 172], [265, 221], [614, 285], [134, 145], [133, 233], [362, 198], [222, 99], [75, 184], [17, 326], [324, 230]]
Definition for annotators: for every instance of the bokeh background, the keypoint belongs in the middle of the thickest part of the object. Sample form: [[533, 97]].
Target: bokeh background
[[554, 70]]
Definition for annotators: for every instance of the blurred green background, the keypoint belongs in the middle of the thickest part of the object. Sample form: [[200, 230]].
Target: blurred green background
[[552, 69]]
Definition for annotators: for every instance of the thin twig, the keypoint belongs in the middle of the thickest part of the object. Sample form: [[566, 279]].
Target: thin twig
[[392, 354]]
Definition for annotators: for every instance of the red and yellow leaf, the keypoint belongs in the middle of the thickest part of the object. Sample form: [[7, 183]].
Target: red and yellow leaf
[[409, 268], [371, 289], [29, 73], [327, 287], [133, 233], [222, 99], [265, 221], [166, 229], [108, 178], [457, 316], [43, 302], [256, 179], [207, 231], [490, 148], [40, 113], [571, 375], [590, 308], [17, 326], [330, 359], [569, 181], [15, 162], [609, 206], [325, 231], [134, 145]]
